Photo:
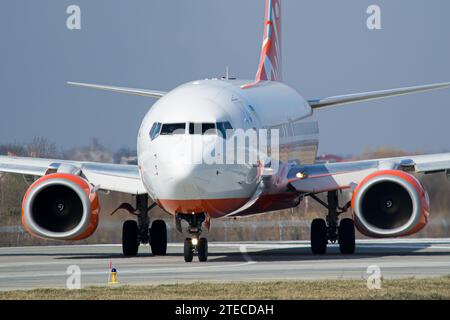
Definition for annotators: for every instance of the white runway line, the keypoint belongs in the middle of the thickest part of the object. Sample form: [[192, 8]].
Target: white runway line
[[262, 244], [405, 247], [30, 267], [122, 271], [243, 250]]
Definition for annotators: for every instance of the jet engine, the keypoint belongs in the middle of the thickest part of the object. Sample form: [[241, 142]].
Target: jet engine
[[62, 207], [390, 203]]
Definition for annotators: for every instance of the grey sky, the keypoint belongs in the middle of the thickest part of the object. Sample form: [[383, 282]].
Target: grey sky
[[160, 44]]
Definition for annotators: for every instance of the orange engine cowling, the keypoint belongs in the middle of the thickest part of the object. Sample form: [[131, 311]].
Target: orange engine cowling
[[62, 207], [390, 203]]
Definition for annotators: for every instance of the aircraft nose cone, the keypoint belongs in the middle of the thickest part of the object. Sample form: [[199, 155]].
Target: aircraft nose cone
[[187, 183], [180, 182], [217, 191]]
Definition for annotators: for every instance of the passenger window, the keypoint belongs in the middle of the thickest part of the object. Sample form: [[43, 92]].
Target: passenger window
[[154, 132], [281, 131], [173, 128]]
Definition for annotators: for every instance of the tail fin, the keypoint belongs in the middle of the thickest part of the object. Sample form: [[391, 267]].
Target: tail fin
[[271, 58]]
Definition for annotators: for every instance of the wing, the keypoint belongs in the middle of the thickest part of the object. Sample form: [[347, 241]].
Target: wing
[[111, 177], [347, 175], [374, 95], [132, 91]]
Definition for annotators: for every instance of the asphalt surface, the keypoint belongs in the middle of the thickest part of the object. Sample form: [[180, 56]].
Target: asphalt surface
[[46, 267]]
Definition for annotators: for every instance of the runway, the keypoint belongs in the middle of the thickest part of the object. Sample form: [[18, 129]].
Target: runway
[[45, 267]]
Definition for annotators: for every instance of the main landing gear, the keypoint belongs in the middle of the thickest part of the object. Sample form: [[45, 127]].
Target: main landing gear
[[136, 232], [194, 244], [330, 230]]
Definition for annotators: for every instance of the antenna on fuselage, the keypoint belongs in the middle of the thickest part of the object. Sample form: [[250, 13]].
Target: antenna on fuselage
[[227, 74]]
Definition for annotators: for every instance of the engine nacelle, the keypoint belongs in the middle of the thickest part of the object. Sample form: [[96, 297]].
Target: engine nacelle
[[62, 207], [390, 203]]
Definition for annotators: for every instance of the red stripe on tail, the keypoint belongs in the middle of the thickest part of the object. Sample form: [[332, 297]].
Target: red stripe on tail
[[271, 58]]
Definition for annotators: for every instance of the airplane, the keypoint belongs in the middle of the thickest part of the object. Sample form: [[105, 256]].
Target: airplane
[[387, 201]]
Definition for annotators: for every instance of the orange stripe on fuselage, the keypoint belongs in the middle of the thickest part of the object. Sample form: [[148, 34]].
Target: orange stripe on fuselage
[[214, 207], [217, 208]]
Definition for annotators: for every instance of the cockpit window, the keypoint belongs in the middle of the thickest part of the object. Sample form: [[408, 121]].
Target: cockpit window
[[222, 127], [154, 132], [210, 128], [202, 128], [173, 128], [195, 128]]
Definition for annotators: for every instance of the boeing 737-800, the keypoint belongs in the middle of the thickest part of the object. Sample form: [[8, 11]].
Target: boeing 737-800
[[387, 199]]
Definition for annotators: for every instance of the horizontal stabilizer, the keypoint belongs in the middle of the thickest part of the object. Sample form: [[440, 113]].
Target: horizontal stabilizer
[[132, 91], [374, 95]]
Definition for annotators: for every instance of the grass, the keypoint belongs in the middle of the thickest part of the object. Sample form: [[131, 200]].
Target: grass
[[431, 288]]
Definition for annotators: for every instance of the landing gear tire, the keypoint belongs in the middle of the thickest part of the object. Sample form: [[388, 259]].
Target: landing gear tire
[[188, 250], [202, 249], [158, 238], [347, 236], [319, 236], [130, 243]]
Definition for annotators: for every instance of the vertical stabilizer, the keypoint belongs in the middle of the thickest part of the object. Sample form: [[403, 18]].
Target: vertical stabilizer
[[271, 59]]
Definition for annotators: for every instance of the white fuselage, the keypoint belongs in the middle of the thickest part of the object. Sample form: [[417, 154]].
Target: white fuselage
[[173, 166]]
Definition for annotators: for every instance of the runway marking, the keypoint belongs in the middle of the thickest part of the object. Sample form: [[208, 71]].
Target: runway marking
[[237, 261], [84, 273], [337, 265], [243, 249], [404, 247], [124, 271], [268, 244]]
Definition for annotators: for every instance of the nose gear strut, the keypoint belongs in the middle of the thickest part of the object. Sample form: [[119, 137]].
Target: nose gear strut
[[194, 244]]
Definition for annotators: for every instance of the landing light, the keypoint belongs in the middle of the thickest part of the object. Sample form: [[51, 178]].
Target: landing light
[[300, 175], [194, 241]]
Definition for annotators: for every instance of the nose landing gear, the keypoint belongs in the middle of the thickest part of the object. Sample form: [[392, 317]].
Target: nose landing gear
[[194, 245]]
